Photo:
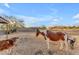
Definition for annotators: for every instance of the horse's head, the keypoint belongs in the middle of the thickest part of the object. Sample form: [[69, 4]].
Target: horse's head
[[37, 32]]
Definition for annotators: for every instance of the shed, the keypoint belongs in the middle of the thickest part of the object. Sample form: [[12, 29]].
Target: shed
[[4, 21]]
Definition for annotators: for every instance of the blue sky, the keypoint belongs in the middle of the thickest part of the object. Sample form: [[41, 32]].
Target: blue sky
[[47, 14]]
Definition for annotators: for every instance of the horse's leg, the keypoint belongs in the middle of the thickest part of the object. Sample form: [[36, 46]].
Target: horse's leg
[[66, 45], [47, 41], [61, 44], [66, 42]]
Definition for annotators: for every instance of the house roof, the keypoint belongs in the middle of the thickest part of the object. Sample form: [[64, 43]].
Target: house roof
[[3, 20]]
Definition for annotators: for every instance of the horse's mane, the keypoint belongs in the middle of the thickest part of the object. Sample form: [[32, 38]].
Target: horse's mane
[[59, 33]]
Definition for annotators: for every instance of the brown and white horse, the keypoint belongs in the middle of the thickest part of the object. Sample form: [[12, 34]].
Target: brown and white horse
[[57, 36]]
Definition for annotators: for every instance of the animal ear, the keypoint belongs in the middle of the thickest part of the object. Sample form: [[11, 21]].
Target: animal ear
[[37, 30]]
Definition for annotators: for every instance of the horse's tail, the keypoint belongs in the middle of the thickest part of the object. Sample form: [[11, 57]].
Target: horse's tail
[[66, 41]]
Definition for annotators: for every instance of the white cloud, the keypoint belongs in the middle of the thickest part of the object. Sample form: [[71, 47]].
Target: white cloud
[[36, 20], [77, 21], [7, 5], [55, 20], [27, 18], [76, 16], [4, 12]]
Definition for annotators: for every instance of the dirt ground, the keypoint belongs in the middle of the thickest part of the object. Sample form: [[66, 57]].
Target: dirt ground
[[29, 44]]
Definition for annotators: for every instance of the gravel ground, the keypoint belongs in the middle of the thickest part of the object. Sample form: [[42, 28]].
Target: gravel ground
[[29, 44]]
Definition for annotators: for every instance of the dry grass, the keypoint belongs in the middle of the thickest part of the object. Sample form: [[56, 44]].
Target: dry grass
[[29, 44]]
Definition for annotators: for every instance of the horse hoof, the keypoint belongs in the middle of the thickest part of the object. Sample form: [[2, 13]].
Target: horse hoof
[[39, 52], [50, 52]]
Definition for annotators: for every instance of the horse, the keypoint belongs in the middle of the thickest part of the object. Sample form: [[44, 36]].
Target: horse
[[5, 44], [57, 36]]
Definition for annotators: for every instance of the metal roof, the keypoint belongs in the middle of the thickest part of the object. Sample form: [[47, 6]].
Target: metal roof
[[3, 20]]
